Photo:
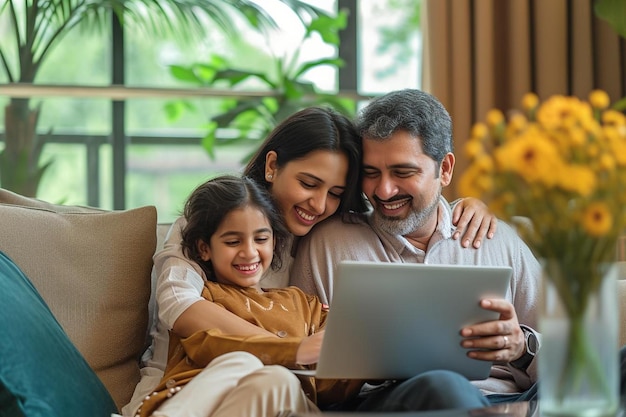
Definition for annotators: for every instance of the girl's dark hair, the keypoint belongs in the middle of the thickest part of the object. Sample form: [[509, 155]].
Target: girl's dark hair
[[313, 129], [210, 202]]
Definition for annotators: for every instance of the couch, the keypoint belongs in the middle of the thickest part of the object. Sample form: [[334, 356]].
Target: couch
[[93, 270]]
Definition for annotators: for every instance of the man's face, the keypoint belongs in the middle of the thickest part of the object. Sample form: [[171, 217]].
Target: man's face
[[402, 183]]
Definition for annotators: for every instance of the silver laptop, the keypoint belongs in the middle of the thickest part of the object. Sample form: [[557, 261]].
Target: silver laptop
[[396, 320]]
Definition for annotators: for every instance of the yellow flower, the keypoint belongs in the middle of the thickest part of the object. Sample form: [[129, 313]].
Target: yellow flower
[[613, 118], [607, 162], [599, 99], [597, 219], [563, 112], [517, 124], [473, 148], [578, 137], [475, 182], [592, 150], [530, 101], [479, 131], [561, 163], [577, 179], [494, 118], [591, 126], [485, 164], [532, 156]]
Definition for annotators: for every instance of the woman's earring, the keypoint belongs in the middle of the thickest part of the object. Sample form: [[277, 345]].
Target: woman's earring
[[269, 177]]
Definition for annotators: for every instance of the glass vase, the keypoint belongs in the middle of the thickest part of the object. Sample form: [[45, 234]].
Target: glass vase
[[579, 359]]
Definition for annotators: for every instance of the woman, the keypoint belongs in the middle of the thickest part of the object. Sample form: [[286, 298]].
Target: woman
[[310, 163]]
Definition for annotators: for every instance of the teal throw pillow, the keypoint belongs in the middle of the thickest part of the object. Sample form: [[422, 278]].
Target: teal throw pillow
[[42, 374]]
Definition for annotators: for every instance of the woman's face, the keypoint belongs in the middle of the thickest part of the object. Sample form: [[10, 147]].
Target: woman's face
[[307, 190]]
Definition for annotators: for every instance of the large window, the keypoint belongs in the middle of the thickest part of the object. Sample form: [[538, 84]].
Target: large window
[[162, 159], [389, 45]]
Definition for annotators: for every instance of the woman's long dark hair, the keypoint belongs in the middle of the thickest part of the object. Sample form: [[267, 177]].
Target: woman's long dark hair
[[208, 205], [309, 130]]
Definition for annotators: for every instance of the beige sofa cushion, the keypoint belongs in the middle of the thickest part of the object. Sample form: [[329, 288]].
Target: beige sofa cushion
[[92, 268]]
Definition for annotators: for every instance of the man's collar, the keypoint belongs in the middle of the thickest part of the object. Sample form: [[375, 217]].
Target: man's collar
[[444, 219]]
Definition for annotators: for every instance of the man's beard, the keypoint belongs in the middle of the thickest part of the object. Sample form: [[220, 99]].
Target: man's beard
[[416, 219]]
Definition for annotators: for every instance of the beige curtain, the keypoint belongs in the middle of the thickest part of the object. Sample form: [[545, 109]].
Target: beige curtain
[[483, 54]]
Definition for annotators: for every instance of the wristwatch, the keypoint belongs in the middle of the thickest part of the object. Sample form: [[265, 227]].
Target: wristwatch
[[532, 346]]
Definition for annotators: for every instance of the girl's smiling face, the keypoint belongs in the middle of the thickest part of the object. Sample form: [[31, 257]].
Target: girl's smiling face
[[241, 249]]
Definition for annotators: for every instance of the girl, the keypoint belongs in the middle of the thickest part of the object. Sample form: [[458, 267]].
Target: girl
[[232, 231]]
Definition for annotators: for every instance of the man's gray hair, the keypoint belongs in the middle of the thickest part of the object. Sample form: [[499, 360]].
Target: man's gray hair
[[414, 111]]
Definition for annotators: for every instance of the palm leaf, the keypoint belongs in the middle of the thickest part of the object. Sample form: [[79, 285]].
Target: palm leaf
[[333, 62], [235, 76], [46, 22]]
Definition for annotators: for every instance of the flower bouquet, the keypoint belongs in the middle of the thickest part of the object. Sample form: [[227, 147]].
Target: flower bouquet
[[561, 166]]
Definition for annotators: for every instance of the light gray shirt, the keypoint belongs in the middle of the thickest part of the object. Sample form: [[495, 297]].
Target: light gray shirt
[[338, 239]]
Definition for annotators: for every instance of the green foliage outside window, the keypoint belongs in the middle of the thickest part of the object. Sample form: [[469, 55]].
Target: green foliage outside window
[[39, 26], [249, 120]]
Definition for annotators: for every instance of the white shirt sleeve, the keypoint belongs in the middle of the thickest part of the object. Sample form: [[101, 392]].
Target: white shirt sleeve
[[179, 280]]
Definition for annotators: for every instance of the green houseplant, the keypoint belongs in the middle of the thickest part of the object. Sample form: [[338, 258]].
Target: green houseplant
[[40, 25], [614, 13], [249, 120]]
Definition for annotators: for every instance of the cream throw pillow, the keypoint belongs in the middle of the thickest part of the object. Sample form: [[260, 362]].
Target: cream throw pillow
[[92, 268]]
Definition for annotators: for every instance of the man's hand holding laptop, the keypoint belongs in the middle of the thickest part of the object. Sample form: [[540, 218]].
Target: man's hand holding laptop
[[499, 340]]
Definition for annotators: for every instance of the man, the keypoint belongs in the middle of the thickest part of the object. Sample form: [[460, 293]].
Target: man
[[407, 160]]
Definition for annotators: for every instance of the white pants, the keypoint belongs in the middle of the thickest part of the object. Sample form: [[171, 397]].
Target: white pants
[[238, 384]]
